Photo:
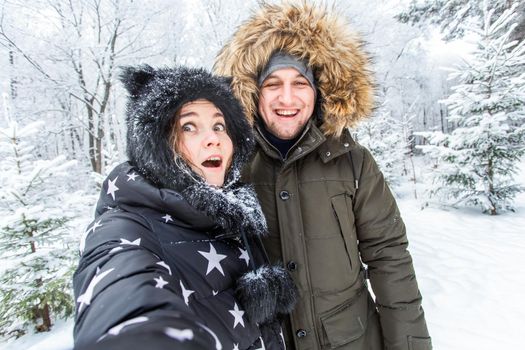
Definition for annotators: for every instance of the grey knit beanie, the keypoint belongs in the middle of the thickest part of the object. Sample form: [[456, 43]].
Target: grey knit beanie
[[281, 60]]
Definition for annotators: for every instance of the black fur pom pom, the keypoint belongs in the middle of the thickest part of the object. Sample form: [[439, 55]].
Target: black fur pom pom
[[266, 293]]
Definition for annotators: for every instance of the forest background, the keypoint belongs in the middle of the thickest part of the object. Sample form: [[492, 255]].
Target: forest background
[[450, 100]]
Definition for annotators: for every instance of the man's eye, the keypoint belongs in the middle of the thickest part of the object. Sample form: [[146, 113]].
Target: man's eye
[[188, 127], [302, 83], [271, 85]]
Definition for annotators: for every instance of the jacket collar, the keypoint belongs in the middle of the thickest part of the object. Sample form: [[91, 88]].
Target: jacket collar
[[312, 139], [335, 147], [225, 211]]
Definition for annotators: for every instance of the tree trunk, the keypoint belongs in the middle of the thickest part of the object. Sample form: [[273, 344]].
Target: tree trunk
[[490, 175], [442, 118], [98, 147], [46, 319], [91, 139], [42, 312], [519, 33], [13, 81]]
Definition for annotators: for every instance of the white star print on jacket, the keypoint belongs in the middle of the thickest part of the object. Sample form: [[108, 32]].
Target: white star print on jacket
[[86, 233], [186, 293], [112, 187], [218, 344], [85, 299], [214, 259], [168, 276], [132, 176], [244, 256], [116, 330], [166, 266], [237, 315], [125, 242], [167, 218], [179, 334], [160, 282]]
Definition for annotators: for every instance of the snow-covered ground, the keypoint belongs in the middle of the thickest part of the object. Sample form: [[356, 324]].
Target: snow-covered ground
[[471, 272], [60, 338], [470, 268]]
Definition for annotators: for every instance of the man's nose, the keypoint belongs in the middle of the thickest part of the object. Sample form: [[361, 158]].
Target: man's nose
[[286, 96]]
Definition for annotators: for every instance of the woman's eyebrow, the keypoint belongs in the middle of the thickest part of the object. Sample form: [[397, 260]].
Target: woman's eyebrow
[[188, 114], [194, 114]]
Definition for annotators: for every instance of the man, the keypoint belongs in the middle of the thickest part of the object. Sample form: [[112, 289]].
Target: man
[[303, 80]]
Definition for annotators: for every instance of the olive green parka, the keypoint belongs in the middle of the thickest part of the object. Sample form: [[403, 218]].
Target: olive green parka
[[327, 205]]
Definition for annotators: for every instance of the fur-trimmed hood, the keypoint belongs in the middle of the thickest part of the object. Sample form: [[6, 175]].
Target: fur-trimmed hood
[[315, 34]]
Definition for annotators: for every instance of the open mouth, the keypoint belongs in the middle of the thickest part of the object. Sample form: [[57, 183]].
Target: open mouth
[[287, 113], [212, 162]]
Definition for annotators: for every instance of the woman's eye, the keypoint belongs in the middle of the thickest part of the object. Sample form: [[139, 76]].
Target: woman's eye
[[188, 127], [220, 127]]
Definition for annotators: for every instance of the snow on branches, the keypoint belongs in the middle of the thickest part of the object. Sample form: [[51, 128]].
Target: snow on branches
[[477, 161], [36, 250]]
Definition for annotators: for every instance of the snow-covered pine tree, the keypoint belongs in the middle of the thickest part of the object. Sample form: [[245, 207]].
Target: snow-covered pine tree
[[384, 137], [38, 256], [451, 15], [477, 161]]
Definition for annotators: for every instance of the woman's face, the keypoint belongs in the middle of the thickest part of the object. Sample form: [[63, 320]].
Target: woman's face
[[203, 140]]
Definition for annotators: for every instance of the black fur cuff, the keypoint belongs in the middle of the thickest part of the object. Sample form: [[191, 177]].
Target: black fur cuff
[[266, 293]]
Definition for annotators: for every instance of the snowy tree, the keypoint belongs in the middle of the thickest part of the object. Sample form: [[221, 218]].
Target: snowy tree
[[477, 161], [384, 137], [37, 252], [65, 55], [216, 20], [403, 86], [451, 15]]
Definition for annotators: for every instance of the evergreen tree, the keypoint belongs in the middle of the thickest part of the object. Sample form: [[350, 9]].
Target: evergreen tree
[[37, 253], [477, 162], [384, 137], [451, 15]]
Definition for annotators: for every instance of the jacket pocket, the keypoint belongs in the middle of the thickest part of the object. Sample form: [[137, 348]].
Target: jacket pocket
[[348, 321], [342, 206], [419, 343]]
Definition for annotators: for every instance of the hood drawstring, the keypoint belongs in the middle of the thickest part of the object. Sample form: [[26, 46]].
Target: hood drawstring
[[250, 255], [356, 180]]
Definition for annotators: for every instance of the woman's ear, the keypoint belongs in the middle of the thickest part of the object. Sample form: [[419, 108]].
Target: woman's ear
[[135, 78]]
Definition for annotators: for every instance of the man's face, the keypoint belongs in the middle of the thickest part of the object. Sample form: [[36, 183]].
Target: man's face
[[286, 103]]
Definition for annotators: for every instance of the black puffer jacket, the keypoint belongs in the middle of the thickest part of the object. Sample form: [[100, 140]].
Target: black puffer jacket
[[170, 262]]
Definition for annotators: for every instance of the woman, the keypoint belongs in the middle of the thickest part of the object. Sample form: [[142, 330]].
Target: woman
[[173, 257]]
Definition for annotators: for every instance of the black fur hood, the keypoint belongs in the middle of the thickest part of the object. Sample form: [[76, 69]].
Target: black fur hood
[[154, 97]]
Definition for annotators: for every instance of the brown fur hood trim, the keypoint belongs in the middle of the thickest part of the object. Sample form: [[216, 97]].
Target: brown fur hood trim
[[319, 36]]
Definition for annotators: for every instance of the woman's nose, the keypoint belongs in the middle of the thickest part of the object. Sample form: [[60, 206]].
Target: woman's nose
[[211, 138]]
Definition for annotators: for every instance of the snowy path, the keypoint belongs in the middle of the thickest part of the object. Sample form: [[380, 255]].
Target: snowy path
[[470, 269]]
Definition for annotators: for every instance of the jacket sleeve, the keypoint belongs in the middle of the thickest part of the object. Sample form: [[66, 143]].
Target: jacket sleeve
[[383, 245], [126, 296]]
